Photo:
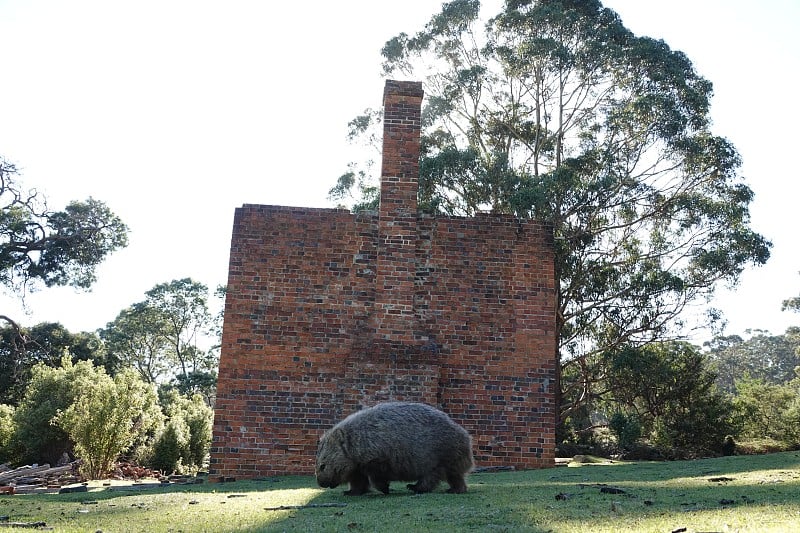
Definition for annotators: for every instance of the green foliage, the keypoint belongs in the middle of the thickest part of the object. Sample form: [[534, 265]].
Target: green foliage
[[766, 410], [160, 336], [791, 304], [368, 193], [46, 343], [199, 419], [52, 247], [7, 428], [137, 339], [554, 110], [770, 358], [186, 439], [626, 428], [108, 418], [201, 384], [171, 446], [49, 391], [672, 390]]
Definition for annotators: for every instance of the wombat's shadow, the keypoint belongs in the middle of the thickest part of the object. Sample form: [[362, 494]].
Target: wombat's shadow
[[393, 493]]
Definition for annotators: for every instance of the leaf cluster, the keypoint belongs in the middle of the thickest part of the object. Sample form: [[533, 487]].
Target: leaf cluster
[[159, 336], [39, 245], [107, 418], [554, 110], [22, 348]]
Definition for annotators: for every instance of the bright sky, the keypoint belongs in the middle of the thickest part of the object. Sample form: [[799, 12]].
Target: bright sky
[[175, 112]]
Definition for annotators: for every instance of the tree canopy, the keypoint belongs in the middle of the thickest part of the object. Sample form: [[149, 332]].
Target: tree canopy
[[52, 247], [159, 336], [554, 110], [769, 358], [46, 343]]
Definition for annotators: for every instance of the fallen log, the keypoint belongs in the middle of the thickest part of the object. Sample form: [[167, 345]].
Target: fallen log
[[23, 471]]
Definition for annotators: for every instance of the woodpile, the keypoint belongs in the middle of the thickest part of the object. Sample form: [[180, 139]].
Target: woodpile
[[32, 479], [37, 478]]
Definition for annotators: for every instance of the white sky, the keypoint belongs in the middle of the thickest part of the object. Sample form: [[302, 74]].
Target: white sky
[[174, 113]]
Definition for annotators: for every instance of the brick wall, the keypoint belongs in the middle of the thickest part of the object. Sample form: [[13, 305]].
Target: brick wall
[[328, 311]]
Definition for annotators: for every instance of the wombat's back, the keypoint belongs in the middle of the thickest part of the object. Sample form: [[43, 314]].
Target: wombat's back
[[410, 438]]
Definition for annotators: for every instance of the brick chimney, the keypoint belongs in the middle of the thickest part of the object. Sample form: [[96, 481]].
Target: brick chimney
[[402, 102], [394, 306]]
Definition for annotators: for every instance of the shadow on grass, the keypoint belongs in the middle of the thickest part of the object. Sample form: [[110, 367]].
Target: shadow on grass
[[653, 497], [619, 497]]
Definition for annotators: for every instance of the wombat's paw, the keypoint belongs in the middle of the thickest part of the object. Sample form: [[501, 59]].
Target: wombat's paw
[[417, 488], [457, 490]]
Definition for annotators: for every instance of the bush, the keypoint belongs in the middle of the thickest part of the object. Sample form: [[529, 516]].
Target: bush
[[768, 411], [761, 446], [671, 385], [170, 447], [7, 454], [49, 391], [185, 441], [108, 418]]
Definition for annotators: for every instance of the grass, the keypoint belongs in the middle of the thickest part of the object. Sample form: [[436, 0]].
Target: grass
[[741, 493]]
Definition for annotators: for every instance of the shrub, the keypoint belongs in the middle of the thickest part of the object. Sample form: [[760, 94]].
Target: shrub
[[49, 391], [6, 432], [198, 417], [171, 445], [768, 411], [761, 446], [108, 418], [190, 432], [671, 385]]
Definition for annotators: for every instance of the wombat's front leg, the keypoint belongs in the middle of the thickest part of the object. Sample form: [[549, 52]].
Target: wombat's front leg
[[359, 484]]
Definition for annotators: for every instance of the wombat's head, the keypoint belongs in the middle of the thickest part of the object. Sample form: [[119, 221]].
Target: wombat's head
[[333, 467]]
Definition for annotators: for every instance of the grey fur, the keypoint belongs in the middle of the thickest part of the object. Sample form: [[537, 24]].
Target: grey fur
[[395, 441]]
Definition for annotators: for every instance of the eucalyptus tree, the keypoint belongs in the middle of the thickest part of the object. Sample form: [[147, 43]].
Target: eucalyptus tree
[[763, 356], [554, 110], [137, 339], [164, 336], [791, 304]]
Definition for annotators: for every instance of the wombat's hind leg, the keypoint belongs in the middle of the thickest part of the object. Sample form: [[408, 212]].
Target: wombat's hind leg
[[381, 484], [359, 484], [457, 484], [425, 484]]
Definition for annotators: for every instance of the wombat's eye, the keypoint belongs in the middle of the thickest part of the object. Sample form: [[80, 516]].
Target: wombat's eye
[[321, 468]]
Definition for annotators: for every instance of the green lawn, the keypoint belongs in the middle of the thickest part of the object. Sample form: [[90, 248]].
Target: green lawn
[[743, 493]]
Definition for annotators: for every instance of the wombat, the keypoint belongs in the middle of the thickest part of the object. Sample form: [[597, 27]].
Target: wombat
[[395, 441]]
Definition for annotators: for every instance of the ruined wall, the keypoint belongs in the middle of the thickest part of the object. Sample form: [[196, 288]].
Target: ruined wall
[[327, 311]]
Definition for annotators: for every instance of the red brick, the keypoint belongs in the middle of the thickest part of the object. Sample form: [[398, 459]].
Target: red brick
[[328, 311]]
